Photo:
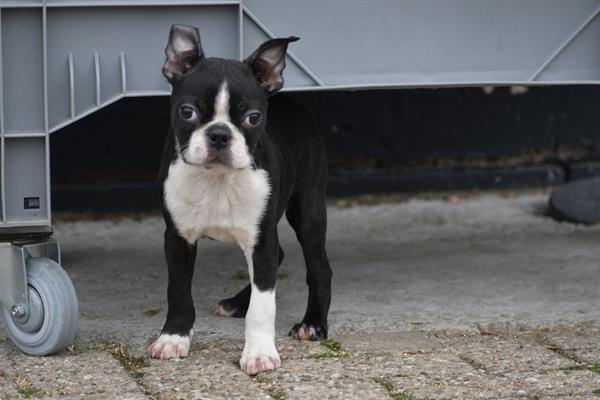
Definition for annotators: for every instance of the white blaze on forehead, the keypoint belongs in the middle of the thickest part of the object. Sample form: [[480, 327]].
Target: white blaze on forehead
[[222, 103], [197, 150]]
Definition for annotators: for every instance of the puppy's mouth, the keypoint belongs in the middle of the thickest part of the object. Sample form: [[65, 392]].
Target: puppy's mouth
[[217, 160], [213, 161]]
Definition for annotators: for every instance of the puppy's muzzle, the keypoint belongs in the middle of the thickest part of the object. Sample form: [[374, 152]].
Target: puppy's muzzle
[[219, 136]]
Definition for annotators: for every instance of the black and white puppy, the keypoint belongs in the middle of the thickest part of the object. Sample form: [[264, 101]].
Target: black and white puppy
[[235, 161]]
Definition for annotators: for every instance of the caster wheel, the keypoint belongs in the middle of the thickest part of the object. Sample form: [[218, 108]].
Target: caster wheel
[[52, 322]]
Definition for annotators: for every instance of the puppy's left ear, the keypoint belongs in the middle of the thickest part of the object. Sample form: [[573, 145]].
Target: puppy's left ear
[[183, 51], [268, 63]]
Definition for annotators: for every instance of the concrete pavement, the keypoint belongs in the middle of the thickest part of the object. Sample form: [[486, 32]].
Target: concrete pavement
[[478, 297]]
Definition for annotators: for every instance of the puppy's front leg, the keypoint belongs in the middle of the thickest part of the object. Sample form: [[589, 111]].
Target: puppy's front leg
[[260, 353], [176, 335]]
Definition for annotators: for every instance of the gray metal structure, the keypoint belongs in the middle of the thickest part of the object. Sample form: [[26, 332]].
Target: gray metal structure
[[62, 60]]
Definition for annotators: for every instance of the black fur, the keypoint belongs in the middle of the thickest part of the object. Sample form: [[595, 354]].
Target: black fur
[[286, 145]]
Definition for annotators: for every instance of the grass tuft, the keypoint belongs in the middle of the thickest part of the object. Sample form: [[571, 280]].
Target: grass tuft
[[132, 365], [270, 387], [120, 353], [393, 392], [594, 367], [335, 350], [332, 344], [26, 389]]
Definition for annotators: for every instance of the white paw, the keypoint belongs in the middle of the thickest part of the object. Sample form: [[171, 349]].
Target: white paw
[[260, 357], [170, 347]]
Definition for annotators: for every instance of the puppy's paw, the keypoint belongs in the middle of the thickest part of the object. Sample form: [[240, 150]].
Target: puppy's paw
[[229, 308], [259, 359], [169, 347], [306, 331], [262, 363]]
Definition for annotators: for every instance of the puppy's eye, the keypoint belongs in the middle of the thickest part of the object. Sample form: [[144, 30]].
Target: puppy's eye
[[252, 119], [188, 113]]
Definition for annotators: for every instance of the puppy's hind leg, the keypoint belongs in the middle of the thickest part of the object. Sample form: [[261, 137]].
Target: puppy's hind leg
[[307, 214], [237, 306]]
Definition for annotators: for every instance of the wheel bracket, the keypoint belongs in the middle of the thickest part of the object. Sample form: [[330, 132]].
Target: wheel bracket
[[13, 271]]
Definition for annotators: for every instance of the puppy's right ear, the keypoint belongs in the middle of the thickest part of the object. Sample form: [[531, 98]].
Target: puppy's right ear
[[183, 51]]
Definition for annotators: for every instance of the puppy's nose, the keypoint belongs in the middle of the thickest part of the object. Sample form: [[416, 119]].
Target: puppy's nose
[[219, 136]]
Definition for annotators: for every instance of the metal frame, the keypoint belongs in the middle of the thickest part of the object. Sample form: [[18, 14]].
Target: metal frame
[[244, 15], [244, 11], [13, 271], [564, 45]]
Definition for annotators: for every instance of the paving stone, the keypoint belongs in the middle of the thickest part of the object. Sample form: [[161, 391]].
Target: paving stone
[[443, 375], [325, 378], [557, 383], [231, 349], [90, 374], [580, 341], [575, 397], [425, 365], [8, 389], [406, 342], [496, 354], [293, 349], [210, 372]]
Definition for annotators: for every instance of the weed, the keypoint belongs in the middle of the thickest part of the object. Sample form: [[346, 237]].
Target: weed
[[120, 353], [26, 389], [270, 387], [335, 350], [392, 392], [594, 367]]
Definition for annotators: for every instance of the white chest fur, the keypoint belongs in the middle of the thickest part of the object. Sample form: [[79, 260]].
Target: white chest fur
[[223, 204]]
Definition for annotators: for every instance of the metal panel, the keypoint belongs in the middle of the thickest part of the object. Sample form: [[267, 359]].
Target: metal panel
[[432, 43], [95, 37], [254, 36], [579, 57], [22, 70], [25, 163], [64, 59]]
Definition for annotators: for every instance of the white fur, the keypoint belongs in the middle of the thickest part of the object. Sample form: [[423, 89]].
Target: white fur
[[227, 203], [197, 150], [222, 104], [167, 347], [222, 203], [260, 353]]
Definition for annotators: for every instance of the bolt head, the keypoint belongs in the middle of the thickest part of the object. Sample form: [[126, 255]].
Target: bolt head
[[16, 311]]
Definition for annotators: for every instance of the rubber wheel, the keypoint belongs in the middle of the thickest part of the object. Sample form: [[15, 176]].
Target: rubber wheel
[[54, 311]]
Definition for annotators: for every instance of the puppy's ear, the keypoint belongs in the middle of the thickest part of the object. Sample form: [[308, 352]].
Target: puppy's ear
[[268, 63], [183, 51]]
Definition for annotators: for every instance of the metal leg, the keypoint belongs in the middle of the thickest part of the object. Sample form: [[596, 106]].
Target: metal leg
[[13, 272]]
